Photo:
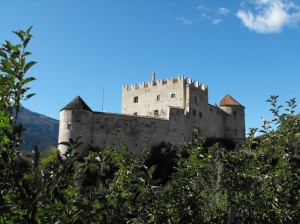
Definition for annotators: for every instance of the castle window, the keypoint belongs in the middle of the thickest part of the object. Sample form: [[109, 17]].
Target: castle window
[[158, 98], [194, 113], [136, 99], [135, 113], [234, 113], [173, 95], [200, 114], [156, 113], [69, 126], [195, 99]]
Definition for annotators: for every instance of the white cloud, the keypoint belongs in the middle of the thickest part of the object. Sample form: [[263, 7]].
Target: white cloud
[[184, 20], [269, 16], [205, 16], [213, 15], [223, 11], [203, 8], [216, 21]]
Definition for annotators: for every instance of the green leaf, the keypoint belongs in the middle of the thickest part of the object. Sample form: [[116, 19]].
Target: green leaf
[[3, 54], [6, 65], [27, 53], [14, 63], [29, 65], [26, 42], [28, 30], [20, 34], [15, 54], [27, 80], [4, 125], [8, 46], [29, 177], [24, 90], [65, 143], [30, 95], [151, 170], [93, 165]]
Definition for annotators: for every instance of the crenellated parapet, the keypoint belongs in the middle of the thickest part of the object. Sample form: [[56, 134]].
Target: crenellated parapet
[[196, 84], [164, 82]]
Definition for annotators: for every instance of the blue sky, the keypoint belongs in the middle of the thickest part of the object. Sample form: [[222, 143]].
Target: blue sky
[[249, 49]]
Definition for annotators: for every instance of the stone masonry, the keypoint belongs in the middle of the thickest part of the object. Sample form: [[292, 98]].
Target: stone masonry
[[160, 111]]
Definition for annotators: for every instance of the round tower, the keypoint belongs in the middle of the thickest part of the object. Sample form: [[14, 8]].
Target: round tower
[[234, 120], [76, 119]]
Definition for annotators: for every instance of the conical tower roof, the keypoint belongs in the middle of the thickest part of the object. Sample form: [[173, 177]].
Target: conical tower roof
[[77, 103], [229, 101]]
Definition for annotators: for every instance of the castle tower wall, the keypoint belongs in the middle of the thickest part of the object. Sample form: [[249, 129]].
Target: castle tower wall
[[212, 122], [234, 120], [209, 117], [178, 126], [154, 98], [75, 123], [76, 119]]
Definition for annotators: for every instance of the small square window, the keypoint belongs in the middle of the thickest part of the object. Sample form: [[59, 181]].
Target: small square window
[[173, 95], [136, 99], [158, 98], [69, 126], [135, 114], [156, 113], [234, 113], [194, 113]]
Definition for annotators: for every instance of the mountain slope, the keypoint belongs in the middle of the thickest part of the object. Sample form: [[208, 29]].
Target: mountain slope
[[40, 130]]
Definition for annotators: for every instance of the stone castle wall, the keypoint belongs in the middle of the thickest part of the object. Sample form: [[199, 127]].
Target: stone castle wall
[[153, 96], [160, 111], [103, 129]]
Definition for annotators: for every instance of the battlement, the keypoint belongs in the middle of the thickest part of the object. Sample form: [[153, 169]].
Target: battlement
[[196, 84], [162, 82]]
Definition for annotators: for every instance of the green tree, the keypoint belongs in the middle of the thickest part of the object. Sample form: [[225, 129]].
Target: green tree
[[16, 195], [263, 181]]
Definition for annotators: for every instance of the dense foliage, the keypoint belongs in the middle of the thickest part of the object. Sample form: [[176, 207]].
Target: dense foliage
[[203, 184]]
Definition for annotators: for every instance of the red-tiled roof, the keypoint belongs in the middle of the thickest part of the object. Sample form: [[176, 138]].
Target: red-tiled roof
[[229, 101]]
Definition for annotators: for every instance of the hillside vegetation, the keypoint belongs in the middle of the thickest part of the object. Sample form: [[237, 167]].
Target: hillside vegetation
[[40, 130]]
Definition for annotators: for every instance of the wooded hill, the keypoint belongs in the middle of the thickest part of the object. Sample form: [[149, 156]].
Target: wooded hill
[[40, 130]]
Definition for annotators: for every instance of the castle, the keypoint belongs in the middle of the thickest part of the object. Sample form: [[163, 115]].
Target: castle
[[159, 110]]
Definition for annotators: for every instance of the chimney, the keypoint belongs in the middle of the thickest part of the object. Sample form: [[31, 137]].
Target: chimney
[[153, 78]]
